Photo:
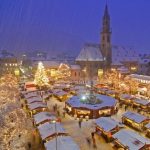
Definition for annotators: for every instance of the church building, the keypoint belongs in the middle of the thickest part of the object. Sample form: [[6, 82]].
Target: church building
[[97, 58]]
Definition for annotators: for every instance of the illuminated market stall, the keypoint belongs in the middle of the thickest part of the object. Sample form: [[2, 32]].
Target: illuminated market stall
[[37, 107], [48, 131], [33, 99], [43, 117], [135, 120], [107, 126], [63, 143], [147, 127], [126, 98], [130, 140], [61, 95], [141, 103]]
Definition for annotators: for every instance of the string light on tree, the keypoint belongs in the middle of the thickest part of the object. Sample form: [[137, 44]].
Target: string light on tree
[[64, 71], [41, 78]]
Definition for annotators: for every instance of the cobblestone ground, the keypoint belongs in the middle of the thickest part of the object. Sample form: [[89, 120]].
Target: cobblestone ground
[[79, 134]]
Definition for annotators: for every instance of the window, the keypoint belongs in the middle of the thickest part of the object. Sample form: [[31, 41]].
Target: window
[[103, 38], [108, 39], [75, 74]]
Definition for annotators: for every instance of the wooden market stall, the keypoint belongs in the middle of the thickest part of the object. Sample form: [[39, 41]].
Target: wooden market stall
[[107, 126], [126, 99], [141, 103], [130, 140], [63, 143], [48, 131], [37, 107], [135, 120], [147, 127], [43, 117], [61, 95]]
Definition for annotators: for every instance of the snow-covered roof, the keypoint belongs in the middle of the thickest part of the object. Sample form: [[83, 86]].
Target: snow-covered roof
[[43, 116], [107, 123], [142, 101], [37, 105], [140, 77], [48, 129], [34, 99], [90, 53], [126, 96], [148, 126], [116, 63], [30, 94], [138, 118], [110, 92], [59, 92], [123, 54], [63, 143], [103, 89], [106, 101], [59, 87], [131, 139], [75, 67], [49, 64]]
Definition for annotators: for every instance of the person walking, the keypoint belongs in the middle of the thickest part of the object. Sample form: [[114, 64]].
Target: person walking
[[79, 123], [94, 143], [88, 141], [58, 113], [64, 113], [92, 134]]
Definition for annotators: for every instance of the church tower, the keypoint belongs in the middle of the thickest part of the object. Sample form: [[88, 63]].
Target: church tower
[[106, 38]]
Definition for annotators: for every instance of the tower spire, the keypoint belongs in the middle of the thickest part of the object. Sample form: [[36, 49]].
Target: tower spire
[[106, 37], [106, 13]]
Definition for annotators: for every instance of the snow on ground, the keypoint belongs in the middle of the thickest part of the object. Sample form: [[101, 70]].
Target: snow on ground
[[79, 135]]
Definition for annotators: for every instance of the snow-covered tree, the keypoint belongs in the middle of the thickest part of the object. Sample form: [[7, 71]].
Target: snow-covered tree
[[41, 78]]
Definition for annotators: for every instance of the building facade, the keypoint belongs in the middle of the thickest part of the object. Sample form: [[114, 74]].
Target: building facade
[[8, 63]]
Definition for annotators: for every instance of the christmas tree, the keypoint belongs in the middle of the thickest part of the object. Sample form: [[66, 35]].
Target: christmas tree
[[41, 78]]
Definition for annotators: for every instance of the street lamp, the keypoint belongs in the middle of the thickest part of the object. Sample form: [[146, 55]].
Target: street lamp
[[54, 121]]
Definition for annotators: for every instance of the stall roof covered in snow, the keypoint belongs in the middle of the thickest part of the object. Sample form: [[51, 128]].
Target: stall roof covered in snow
[[48, 129], [63, 143], [90, 53], [106, 101], [126, 96], [140, 77], [43, 116], [107, 123], [148, 126], [135, 117], [31, 94], [131, 139], [34, 99], [37, 105], [142, 102], [59, 92]]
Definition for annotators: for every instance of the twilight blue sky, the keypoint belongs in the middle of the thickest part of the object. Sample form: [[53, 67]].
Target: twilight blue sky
[[65, 25]]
